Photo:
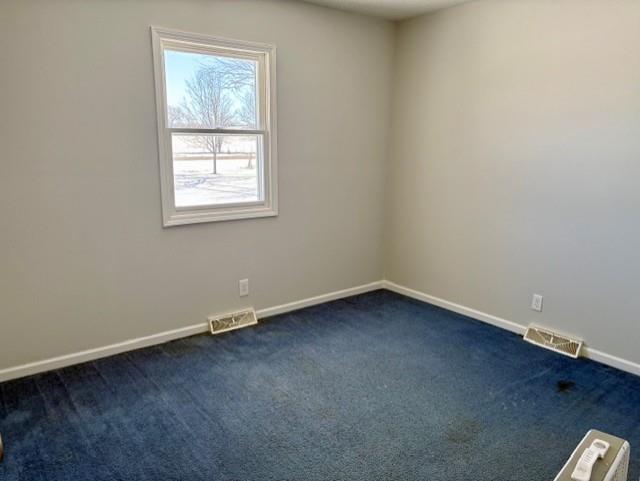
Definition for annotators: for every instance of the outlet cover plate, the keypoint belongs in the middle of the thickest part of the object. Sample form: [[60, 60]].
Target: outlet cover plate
[[537, 302], [243, 287]]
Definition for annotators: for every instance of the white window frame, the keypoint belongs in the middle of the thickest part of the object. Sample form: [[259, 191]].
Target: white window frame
[[265, 56]]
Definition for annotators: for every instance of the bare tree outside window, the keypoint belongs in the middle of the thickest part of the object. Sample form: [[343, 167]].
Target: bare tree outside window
[[216, 99], [237, 76], [221, 94], [207, 106]]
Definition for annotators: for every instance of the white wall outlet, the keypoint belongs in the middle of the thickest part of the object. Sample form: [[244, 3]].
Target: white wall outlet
[[243, 287], [536, 302]]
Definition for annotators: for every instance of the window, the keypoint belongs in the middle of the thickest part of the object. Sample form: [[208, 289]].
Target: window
[[216, 127]]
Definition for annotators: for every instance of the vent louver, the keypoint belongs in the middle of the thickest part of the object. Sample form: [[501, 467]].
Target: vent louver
[[555, 342], [232, 321]]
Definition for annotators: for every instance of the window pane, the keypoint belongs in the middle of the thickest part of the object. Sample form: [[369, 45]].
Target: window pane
[[216, 169], [209, 91]]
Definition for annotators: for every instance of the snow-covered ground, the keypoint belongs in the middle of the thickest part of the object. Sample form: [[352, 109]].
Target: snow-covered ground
[[196, 185]]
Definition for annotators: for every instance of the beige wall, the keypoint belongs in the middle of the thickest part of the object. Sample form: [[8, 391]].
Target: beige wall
[[84, 259], [515, 163], [513, 167]]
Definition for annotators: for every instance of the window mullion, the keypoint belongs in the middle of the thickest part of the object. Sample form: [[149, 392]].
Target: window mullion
[[192, 131]]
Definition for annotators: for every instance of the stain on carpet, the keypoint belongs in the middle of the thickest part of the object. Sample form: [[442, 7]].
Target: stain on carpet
[[565, 386], [463, 431]]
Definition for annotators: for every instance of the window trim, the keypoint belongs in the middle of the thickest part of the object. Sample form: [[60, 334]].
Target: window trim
[[265, 55]]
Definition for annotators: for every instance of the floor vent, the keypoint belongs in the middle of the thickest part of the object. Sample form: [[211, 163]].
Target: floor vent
[[555, 342], [230, 322]]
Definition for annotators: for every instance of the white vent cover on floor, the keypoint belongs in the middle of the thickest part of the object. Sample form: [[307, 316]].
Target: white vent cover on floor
[[555, 342], [230, 322]]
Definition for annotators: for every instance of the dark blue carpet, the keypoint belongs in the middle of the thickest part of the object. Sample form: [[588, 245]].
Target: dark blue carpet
[[375, 387]]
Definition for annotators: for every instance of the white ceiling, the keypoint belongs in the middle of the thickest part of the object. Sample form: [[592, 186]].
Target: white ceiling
[[391, 9]]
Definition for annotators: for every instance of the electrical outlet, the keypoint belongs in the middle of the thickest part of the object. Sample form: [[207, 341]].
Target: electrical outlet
[[243, 287], [536, 302]]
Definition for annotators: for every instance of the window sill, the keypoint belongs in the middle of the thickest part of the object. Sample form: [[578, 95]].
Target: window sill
[[217, 215]]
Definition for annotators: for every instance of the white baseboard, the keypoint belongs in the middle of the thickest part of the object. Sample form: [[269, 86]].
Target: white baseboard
[[460, 309], [312, 301], [99, 352], [162, 337], [611, 360], [588, 352]]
